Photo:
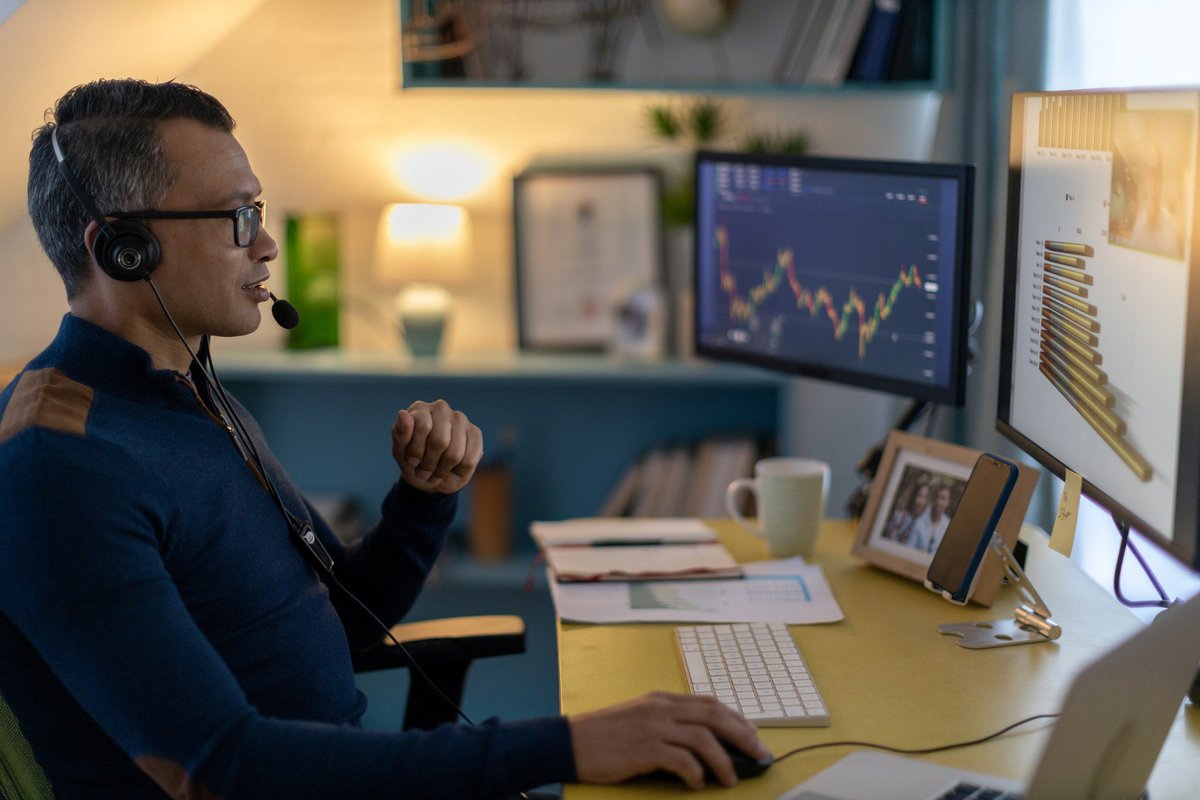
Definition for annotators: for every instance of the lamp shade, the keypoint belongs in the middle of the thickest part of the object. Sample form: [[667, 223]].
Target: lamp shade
[[422, 243]]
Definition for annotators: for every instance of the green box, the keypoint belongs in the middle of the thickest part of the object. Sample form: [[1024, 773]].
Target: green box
[[312, 279]]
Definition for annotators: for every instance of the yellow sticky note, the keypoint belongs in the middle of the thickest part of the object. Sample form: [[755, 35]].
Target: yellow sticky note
[[1062, 538]]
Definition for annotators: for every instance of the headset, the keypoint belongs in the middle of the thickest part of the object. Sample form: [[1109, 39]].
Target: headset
[[125, 249]]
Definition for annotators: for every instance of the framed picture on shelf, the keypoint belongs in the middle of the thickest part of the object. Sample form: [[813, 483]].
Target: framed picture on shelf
[[914, 494], [586, 241]]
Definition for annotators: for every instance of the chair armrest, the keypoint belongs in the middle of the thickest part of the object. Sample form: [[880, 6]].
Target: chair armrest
[[452, 639], [442, 650]]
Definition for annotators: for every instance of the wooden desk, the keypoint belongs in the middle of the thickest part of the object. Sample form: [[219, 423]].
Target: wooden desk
[[888, 676]]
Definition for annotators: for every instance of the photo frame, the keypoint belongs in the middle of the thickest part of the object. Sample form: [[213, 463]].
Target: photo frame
[[913, 495], [585, 240]]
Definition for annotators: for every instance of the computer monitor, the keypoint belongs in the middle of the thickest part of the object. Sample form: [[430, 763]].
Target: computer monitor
[[847, 270], [1099, 371]]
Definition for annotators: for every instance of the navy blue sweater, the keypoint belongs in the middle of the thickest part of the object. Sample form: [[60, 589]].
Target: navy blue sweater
[[160, 632]]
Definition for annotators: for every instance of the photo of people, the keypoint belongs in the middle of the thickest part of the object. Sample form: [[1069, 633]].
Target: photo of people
[[921, 508]]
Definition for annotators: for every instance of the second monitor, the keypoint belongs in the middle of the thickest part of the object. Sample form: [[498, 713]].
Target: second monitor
[[847, 270]]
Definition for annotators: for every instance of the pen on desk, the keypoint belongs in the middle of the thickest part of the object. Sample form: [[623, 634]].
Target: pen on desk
[[643, 542]]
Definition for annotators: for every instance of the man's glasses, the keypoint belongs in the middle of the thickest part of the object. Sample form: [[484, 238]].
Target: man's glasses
[[247, 220]]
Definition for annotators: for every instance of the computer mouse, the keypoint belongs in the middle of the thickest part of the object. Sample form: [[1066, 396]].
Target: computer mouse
[[744, 766]]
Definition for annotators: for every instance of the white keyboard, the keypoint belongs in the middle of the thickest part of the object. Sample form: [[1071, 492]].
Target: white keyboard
[[753, 668]]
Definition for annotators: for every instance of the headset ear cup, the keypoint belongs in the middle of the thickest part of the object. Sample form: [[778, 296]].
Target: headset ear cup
[[126, 250]]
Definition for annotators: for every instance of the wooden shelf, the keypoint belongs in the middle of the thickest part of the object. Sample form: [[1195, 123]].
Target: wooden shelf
[[582, 367], [655, 59]]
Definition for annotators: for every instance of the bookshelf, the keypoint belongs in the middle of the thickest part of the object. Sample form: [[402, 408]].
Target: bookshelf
[[566, 427], [805, 45]]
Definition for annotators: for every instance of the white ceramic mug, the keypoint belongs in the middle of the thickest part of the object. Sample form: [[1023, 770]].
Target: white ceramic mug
[[790, 497]]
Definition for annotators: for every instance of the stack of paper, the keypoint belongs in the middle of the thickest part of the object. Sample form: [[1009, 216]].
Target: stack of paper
[[610, 531], [670, 480], [641, 562], [622, 549], [618, 569]]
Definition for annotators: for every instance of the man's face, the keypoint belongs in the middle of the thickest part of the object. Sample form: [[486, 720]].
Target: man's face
[[210, 285]]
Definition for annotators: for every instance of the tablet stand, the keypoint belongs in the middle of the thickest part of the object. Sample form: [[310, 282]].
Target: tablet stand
[[1031, 623]]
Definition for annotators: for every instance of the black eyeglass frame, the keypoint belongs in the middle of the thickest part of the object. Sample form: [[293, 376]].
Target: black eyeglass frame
[[256, 213]]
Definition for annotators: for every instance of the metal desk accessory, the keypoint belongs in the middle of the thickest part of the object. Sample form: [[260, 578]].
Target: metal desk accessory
[[1031, 623]]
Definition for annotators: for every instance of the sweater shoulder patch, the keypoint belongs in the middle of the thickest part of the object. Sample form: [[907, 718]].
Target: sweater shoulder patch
[[173, 778], [46, 398]]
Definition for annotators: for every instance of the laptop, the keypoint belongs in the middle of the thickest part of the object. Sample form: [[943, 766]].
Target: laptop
[[1114, 721]]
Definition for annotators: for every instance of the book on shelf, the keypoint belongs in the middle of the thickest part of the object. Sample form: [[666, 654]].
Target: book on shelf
[[654, 476], [677, 468], [719, 462], [799, 51], [839, 40], [911, 58], [620, 499], [831, 41], [879, 36], [682, 479], [800, 40]]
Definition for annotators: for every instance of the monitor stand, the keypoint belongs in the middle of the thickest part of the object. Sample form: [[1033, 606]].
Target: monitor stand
[[1031, 621], [868, 465]]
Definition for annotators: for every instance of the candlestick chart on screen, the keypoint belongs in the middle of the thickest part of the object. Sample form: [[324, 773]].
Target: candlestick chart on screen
[[848, 271], [839, 305]]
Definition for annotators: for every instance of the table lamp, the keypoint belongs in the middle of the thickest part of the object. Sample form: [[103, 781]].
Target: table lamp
[[423, 248]]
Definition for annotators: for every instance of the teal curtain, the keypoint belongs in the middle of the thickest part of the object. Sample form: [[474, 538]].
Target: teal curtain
[[999, 48]]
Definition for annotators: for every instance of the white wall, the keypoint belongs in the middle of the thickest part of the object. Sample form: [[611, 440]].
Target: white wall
[[32, 298], [314, 86], [46, 47]]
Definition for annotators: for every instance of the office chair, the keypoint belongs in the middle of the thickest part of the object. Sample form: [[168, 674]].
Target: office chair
[[20, 776], [441, 649]]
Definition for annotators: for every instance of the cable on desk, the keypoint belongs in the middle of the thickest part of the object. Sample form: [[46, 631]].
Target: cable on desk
[[918, 750]]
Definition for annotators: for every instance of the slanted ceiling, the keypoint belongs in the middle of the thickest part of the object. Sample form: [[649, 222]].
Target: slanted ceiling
[[48, 46]]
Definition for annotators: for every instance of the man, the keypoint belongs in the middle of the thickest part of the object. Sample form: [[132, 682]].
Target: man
[[164, 626]]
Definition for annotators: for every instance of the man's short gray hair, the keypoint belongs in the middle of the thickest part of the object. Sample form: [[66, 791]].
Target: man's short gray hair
[[108, 131]]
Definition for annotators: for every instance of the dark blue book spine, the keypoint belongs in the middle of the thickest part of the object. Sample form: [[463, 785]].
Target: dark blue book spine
[[875, 48]]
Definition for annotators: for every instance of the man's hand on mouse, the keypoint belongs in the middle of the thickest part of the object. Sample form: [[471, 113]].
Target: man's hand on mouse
[[661, 731]]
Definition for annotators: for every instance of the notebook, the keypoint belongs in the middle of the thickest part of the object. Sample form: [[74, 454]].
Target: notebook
[[642, 563], [1114, 721], [621, 531]]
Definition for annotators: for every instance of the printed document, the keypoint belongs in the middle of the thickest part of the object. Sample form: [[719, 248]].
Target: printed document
[[785, 590]]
